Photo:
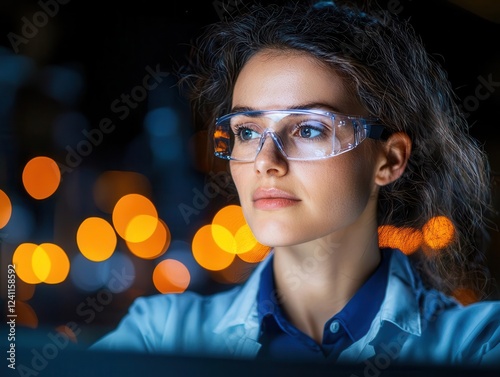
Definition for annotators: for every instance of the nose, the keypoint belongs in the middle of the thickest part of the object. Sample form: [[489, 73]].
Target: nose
[[270, 159]]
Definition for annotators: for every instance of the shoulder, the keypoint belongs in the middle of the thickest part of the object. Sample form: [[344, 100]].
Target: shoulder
[[164, 306], [472, 331], [167, 322], [478, 321]]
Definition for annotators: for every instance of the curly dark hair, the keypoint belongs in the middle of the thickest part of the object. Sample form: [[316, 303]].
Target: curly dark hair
[[393, 76]]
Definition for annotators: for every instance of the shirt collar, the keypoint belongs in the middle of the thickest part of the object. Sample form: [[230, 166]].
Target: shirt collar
[[362, 308], [400, 306], [356, 316]]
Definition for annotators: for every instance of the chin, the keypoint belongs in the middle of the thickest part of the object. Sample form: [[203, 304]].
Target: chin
[[273, 235]]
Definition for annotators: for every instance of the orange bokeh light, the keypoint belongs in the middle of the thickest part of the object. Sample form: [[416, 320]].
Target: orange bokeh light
[[96, 239], [207, 253], [46, 263], [41, 177], [255, 255], [5, 209], [230, 217], [58, 263], [232, 234], [41, 263], [465, 296], [171, 276], [406, 239], [155, 246], [438, 232], [135, 218], [22, 258]]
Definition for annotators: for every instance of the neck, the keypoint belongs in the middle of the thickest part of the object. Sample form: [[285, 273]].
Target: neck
[[315, 280]]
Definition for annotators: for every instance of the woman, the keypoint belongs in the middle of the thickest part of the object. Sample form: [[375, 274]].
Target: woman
[[335, 123]]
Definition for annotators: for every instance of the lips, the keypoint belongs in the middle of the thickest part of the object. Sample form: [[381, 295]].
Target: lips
[[273, 198]]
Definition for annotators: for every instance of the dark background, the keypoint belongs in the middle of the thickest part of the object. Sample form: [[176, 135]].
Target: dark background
[[88, 55]]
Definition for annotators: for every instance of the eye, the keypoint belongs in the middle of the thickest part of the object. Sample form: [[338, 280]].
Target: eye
[[308, 132], [245, 133]]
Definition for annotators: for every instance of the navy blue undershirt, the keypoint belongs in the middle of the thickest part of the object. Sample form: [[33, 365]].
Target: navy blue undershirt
[[281, 339]]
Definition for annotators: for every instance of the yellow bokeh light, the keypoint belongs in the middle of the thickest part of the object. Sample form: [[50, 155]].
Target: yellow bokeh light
[[5, 209], [46, 263], [230, 217], [96, 239], [41, 177], [41, 263], [155, 246], [135, 218], [224, 239], [245, 240], [140, 228], [438, 232], [171, 276], [207, 253], [59, 263], [22, 258]]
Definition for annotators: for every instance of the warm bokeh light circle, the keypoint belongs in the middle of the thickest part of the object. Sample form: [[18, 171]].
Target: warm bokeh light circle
[[406, 239], [41, 177], [41, 263], [155, 246], [230, 217], [22, 259], [171, 276], [207, 253], [5, 209], [59, 264], [224, 239], [47, 263], [96, 239], [244, 239], [438, 232], [135, 218], [257, 254]]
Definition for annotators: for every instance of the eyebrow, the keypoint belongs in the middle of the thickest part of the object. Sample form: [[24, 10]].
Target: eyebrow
[[305, 106]]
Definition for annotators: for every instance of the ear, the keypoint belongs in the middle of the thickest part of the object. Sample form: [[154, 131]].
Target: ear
[[395, 152]]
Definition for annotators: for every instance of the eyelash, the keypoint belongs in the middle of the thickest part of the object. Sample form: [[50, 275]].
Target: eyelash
[[300, 126], [240, 127], [237, 131]]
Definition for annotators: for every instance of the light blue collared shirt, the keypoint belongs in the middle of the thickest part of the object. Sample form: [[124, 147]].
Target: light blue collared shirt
[[414, 326], [281, 339]]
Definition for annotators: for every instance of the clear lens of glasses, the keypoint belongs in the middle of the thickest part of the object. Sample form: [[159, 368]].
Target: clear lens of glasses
[[298, 134]]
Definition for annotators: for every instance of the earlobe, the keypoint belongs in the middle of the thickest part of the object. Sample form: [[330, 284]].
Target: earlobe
[[396, 152]]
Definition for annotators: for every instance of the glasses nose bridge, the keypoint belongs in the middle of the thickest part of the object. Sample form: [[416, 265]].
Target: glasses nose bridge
[[274, 137]]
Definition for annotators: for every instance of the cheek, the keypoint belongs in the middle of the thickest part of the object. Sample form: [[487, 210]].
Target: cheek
[[344, 185]]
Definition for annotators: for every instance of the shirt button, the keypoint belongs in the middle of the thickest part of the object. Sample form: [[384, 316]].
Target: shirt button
[[334, 327]]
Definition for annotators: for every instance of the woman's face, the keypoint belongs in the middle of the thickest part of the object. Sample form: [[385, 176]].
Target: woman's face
[[291, 202]]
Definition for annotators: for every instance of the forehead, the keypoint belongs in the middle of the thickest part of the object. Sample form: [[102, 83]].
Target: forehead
[[274, 79]]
